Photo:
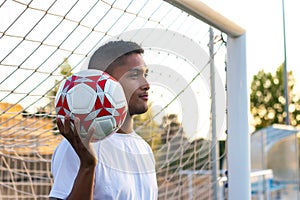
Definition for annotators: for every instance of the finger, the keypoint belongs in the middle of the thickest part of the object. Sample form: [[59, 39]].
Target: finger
[[59, 124], [90, 134], [77, 130], [67, 124], [76, 125]]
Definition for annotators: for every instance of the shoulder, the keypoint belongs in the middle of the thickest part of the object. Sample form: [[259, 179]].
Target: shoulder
[[63, 153], [131, 142], [142, 142], [62, 148]]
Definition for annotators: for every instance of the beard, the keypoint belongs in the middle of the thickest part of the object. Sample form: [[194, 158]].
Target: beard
[[137, 108]]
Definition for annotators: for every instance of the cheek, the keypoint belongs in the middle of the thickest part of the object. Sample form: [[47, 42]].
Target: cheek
[[129, 89], [129, 92]]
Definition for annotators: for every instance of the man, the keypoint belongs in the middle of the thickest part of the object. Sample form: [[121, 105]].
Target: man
[[120, 166]]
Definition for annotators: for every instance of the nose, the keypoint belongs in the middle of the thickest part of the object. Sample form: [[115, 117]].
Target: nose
[[145, 85]]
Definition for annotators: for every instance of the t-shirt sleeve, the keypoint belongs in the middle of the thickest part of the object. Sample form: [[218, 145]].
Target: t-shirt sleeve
[[64, 168]]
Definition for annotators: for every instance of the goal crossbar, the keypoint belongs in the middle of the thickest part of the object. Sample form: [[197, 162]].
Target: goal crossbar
[[206, 14]]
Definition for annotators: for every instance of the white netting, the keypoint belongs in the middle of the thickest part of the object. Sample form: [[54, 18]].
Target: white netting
[[42, 42]]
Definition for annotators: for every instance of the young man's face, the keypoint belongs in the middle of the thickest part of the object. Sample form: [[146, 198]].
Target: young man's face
[[132, 77]]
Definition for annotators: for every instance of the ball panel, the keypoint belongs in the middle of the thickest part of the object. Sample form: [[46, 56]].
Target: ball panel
[[116, 97], [101, 83], [92, 115], [98, 104], [103, 126], [81, 99], [65, 104], [103, 112], [86, 81], [106, 102], [59, 91], [120, 117]]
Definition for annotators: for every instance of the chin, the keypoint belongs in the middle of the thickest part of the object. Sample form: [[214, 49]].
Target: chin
[[137, 111]]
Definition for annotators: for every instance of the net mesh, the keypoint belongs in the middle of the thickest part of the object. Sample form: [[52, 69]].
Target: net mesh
[[43, 42]]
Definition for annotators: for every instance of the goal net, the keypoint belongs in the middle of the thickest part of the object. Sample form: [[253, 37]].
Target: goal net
[[43, 42]]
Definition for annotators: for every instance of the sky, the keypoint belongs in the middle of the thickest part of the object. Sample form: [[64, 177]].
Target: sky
[[263, 22]]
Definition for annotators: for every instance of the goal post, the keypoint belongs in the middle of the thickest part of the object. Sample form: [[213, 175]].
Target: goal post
[[238, 150], [238, 137]]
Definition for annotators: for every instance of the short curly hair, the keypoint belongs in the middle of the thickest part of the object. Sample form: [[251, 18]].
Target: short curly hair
[[112, 53]]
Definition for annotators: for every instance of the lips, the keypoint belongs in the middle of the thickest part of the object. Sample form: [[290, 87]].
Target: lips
[[144, 96]]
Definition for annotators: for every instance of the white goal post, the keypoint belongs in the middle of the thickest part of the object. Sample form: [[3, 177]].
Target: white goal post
[[238, 149]]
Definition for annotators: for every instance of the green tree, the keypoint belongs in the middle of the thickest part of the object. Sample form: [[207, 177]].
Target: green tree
[[267, 101]]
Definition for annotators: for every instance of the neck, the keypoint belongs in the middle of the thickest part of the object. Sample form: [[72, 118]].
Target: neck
[[127, 126]]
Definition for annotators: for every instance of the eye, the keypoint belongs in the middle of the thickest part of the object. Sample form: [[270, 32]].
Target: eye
[[138, 73], [134, 73], [146, 74]]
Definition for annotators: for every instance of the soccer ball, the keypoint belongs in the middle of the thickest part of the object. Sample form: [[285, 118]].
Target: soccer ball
[[96, 98]]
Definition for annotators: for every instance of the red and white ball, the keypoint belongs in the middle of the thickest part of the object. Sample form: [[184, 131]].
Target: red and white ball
[[96, 98]]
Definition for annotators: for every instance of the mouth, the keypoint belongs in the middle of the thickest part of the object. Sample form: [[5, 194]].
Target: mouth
[[144, 96]]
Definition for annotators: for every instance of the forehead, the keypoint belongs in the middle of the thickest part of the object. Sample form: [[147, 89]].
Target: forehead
[[133, 62]]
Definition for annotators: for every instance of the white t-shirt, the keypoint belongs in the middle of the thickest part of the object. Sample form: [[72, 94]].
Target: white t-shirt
[[125, 169]]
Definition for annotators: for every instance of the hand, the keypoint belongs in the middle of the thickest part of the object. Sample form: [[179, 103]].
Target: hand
[[82, 146]]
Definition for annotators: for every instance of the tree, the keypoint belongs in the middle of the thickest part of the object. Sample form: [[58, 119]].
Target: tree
[[267, 99]]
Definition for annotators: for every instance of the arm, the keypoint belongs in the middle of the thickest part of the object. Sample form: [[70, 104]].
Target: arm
[[84, 182]]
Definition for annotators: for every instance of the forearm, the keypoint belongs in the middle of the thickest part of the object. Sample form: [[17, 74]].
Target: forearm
[[84, 184]]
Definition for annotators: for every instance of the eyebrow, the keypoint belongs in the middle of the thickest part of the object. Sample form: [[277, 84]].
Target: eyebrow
[[139, 68]]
